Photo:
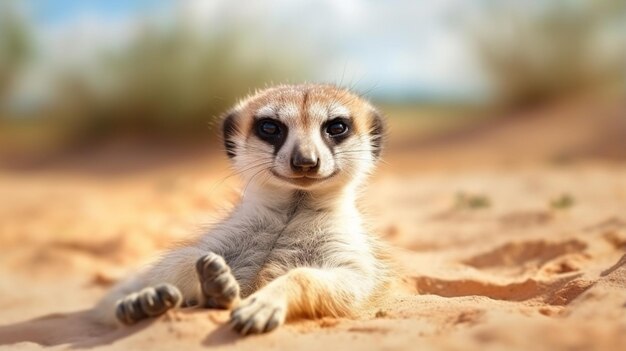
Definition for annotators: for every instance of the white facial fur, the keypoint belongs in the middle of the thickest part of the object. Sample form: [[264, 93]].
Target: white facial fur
[[304, 112]]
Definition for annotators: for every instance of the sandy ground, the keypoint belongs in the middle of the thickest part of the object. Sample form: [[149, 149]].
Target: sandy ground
[[504, 239]]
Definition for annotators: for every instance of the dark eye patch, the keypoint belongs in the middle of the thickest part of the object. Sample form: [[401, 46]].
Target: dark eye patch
[[336, 130], [271, 131]]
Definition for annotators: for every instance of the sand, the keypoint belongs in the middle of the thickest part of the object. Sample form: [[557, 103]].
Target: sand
[[498, 246]]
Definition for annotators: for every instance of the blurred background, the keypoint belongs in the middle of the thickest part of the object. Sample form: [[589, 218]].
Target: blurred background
[[502, 188], [80, 76]]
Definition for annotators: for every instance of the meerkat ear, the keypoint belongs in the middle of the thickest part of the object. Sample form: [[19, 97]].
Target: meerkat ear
[[229, 130], [377, 133]]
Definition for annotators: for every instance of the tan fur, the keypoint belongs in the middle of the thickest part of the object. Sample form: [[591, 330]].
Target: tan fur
[[294, 250]]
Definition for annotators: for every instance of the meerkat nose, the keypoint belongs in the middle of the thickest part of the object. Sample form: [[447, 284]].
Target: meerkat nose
[[304, 161]]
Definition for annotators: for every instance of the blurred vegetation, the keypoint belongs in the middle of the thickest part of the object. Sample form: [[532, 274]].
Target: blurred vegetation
[[15, 48], [169, 83], [535, 52]]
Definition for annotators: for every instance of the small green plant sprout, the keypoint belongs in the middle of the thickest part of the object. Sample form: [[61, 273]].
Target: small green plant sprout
[[471, 201], [563, 202]]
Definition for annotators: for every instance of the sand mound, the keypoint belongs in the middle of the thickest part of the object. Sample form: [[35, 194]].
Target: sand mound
[[510, 273], [489, 257]]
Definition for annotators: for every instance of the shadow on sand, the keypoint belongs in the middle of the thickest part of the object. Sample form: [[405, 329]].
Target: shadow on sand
[[78, 331], [75, 329]]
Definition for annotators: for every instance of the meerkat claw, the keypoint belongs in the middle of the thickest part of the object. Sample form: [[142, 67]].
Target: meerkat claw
[[149, 302], [257, 315], [219, 287]]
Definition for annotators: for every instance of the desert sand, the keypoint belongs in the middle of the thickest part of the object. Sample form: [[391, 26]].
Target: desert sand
[[508, 236]]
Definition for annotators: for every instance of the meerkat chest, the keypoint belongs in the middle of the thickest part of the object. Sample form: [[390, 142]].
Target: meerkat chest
[[267, 251]]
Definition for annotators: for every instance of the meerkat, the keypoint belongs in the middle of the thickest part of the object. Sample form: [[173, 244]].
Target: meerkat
[[295, 246]]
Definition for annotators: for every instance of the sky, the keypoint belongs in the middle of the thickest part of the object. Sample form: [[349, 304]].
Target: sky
[[391, 48]]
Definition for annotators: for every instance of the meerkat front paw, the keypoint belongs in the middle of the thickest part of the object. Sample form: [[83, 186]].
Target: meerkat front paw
[[219, 287], [149, 302], [259, 313]]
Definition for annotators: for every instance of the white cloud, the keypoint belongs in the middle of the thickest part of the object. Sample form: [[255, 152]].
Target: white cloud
[[391, 44]]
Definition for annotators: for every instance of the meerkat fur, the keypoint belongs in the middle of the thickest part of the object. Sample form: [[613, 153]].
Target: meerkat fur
[[295, 246]]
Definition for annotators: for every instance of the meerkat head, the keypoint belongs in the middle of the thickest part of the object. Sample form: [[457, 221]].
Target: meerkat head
[[303, 137]]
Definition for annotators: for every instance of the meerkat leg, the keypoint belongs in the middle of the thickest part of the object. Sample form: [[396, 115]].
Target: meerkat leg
[[302, 292], [179, 270], [217, 283], [218, 287], [149, 302]]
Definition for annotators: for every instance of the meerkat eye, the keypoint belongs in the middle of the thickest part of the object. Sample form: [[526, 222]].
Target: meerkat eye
[[268, 128], [336, 128]]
